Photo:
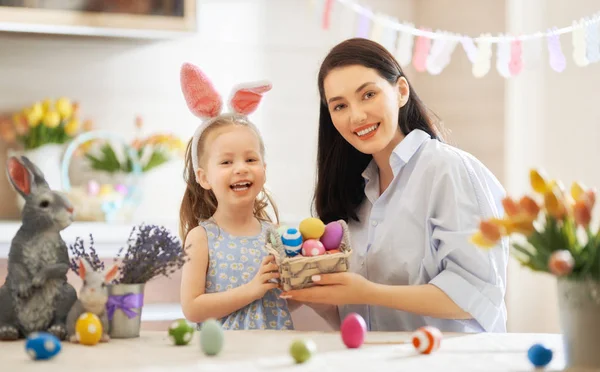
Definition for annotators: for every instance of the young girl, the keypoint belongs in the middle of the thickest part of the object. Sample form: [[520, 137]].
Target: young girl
[[411, 202], [230, 276]]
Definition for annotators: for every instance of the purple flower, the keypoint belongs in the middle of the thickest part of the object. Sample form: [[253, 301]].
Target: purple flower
[[154, 251], [78, 251]]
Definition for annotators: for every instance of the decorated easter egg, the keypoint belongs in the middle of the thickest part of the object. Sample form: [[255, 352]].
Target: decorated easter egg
[[105, 190], [292, 241], [312, 247], [88, 329], [332, 237], [302, 350], [353, 330], [211, 337], [121, 189], [181, 332], [539, 355], [427, 339], [312, 228], [42, 345], [93, 188], [333, 251]]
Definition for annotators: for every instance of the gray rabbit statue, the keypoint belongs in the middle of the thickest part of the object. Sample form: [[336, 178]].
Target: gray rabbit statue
[[36, 295], [93, 297]]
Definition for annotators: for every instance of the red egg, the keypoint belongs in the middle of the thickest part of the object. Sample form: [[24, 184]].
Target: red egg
[[354, 330]]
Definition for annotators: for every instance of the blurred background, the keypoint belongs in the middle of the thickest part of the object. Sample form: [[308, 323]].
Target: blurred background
[[90, 91]]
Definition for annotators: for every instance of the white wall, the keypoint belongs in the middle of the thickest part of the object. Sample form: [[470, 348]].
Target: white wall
[[553, 122]]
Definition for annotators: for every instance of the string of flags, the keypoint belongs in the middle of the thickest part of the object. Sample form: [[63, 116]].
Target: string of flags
[[431, 51]]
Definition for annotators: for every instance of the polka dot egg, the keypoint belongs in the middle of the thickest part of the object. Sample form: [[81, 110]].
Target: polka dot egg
[[42, 346], [88, 329], [181, 332], [312, 247], [427, 339]]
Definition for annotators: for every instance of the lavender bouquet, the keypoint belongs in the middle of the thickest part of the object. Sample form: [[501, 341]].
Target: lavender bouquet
[[153, 252], [78, 251]]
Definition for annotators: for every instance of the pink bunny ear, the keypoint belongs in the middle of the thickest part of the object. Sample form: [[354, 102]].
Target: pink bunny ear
[[200, 95], [246, 97]]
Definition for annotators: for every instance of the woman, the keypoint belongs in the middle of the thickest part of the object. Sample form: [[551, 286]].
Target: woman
[[411, 202]]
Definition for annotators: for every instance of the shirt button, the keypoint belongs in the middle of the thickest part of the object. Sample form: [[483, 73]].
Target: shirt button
[[373, 222]]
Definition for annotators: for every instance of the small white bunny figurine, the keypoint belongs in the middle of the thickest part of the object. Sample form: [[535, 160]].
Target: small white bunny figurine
[[93, 297]]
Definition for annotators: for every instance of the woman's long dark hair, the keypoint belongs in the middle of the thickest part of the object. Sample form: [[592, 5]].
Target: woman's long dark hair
[[340, 185]]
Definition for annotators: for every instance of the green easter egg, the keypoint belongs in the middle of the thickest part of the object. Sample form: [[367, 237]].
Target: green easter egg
[[211, 337], [302, 350], [181, 332]]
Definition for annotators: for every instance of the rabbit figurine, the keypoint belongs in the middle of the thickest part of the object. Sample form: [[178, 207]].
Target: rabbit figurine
[[36, 295], [93, 297]]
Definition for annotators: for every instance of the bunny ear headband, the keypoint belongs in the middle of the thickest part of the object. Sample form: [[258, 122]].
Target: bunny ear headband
[[203, 100]]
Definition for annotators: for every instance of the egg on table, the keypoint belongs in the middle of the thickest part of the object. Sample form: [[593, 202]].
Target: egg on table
[[427, 339], [88, 329], [181, 332], [42, 345], [211, 337], [353, 330], [302, 350]]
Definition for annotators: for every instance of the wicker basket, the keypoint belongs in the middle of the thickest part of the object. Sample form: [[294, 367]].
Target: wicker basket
[[296, 272]]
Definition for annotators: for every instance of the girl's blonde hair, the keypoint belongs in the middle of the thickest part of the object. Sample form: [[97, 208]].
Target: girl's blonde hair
[[199, 204]]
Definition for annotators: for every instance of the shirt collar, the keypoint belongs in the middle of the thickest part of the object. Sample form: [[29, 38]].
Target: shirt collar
[[401, 154]]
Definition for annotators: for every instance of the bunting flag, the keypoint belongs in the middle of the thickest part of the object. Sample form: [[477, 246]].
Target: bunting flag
[[431, 51]]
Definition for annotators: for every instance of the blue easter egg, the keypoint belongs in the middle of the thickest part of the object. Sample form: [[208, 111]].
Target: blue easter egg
[[292, 253], [539, 355], [292, 238], [42, 345]]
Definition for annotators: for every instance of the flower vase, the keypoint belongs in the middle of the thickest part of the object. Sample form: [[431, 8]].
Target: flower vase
[[579, 311], [48, 159], [124, 308]]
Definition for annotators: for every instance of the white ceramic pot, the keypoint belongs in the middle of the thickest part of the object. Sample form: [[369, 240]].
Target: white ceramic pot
[[579, 310]]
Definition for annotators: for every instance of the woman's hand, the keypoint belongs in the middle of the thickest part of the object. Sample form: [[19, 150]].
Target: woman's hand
[[334, 289]]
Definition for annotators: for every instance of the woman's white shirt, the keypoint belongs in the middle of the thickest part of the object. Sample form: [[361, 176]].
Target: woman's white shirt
[[418, 230]]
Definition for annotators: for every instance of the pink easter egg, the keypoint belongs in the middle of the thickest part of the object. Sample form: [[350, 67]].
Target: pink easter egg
[[312, 247], [353, 330], [93, 188], [121, 189], [332, 237]]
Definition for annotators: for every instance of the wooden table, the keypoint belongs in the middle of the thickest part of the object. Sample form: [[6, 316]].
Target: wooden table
[[268, 351]]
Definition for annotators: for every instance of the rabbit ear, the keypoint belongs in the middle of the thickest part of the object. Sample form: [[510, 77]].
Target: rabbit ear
[[19, 175], [246, 97], [111, 274], [38, 176], [200, 95], [83, 268]]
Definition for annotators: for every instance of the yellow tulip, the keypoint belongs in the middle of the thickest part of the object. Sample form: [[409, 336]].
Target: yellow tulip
[[479, 240], [33, 118], [51, 119], [38, 109], [47, 105], [72, 127], [577, 190], [538, 182], [64, 108], [554, 205]]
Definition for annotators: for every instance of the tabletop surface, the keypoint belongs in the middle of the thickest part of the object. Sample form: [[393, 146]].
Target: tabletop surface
[[269, 350]]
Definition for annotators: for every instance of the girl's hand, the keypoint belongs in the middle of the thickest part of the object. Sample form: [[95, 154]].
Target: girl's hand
[[260, 284], [334, 289]]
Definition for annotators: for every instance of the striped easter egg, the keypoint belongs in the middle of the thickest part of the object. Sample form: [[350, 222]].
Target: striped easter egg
[[292, 241], [427, 339]]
